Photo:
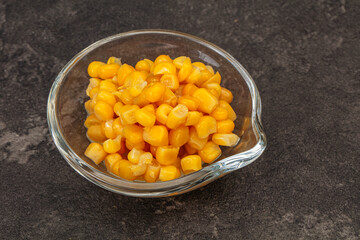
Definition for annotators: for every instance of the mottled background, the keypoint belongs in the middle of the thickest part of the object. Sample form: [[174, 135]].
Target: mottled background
[[303, 55]]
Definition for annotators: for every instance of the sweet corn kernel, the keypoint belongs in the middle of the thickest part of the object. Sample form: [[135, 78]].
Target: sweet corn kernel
[[108, 129], [124, 170], [138, 169], [231, 112], [214, 79], [150, 108], [200, 65], [93, 68], [95, 152], [103, 111], [190, 150], [225, 126], [169, 97], [210, 69], [145, 118], [135, 82], [152, 173], [123, 72], [108, 70], [88, 107], [168, 173], [117, 126], [177, 116], [130, 145], [162, 58], [112, 145], [143, 65], [146, 158], [220, 113], [208, 102], [156, 135], [106, 97], [117, 108], [125, 96], [114, 60], [140, 100], [191, 163], [134, 155], [178, 62], [195, 141], [194, 76], [178, 92], [210, 152], [193, 118], [95, 133], [214, 88], [205, 126], [93, 82], [189, 89], [91, 120], [94, 92], [164, 68], [111, 160], [152, 78], [170, 80], [133, 133], [185, 70], [155, 92], [179, 136], [190, 102], [167, 155], [226, 95], [127, 114], [162, 113], [225, 139]]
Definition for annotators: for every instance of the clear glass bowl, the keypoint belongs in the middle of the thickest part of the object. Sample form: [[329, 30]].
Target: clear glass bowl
[[66, 113]]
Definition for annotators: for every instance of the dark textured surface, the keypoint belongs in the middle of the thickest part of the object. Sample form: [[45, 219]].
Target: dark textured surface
[[304, 57]]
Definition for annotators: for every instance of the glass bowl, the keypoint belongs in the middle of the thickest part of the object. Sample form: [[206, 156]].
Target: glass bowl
[[66, 113]]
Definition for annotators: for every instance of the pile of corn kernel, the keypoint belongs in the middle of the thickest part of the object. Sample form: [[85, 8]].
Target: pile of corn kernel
[[155, 120]]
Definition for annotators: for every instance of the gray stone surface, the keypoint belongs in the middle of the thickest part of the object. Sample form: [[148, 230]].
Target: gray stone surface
[[304, 57]]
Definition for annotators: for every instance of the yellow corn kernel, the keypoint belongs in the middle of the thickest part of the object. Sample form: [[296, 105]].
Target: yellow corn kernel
[[179, 136], [170, 80], [135, 82], [226, 95], [95, 133], [106, 97], [134, 155], [155, 92], [133, 133], [168, 173], [115, 60], [210, 69], [91, 120], [151, 63], [150, 108], [125, 96], [177, 116], [193, 118], [205, 126], [143, 65], [208, 102], [225, 126], [117, 108], [112, 145], [231, 112], [152, 173], [156, 135], [94, 92], [111, 160], [146, 158], [167, 155], [191, 163], [93, 68], [210, 152], [195, 141], [194, 76], [153, 150], [123, 72], [88, 107], [95, 152], [138, 169], [205, 75], [141, 100], [178, 92], [162, 113], [214, 79], [220, 114], [185, 70], [127, 114], [117, 126], [108, 70], [103, 111], [108, 86], [152, 78], [145, 118], [190, 102], [162, 58], [93, 82], [178, 62], [225, 139], [189, 89], [214, 88], [169, 97], [190, 150], [164, 68], [200, 65], [108, 129], [130, 145], [123, 169]]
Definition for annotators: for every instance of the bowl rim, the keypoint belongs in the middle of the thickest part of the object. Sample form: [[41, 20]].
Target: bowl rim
[[157, 189]]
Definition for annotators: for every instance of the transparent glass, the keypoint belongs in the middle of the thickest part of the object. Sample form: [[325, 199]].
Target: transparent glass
[[66, 113]]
